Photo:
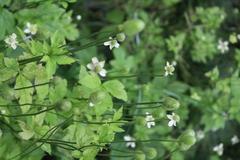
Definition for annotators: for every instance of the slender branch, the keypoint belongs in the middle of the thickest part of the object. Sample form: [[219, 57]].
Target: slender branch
[[25, 104], [36, 85], [148, 140], [51, 131], [129, 76], [138, 103], [28, 114]]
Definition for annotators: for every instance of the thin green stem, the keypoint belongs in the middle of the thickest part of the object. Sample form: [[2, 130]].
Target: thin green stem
[[25, 104], [138, 103], [29, 60], [148, 140], [27, 114], [36, 85], [51, 131], [129, 76]]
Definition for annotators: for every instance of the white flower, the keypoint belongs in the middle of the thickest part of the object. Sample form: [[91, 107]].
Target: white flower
[[223, 46], [238, 36], [130, 141], [11, 40], [78, 17], [112, 43], [30, 29], [218, 149], [174, 118], [174, 63], [97, 67], [235, 139], [149, 120], [200, 134], [91, 104], [169, 69]]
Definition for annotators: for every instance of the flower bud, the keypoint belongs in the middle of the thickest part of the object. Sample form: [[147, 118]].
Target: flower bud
[[66, 105], [187, 139], [121, 37], [97, 97], [233, 38], [170, 104], [132, 27], [151, 153]]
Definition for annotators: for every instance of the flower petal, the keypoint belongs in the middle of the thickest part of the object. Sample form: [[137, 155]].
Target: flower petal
[[103, 73], [95, 60]]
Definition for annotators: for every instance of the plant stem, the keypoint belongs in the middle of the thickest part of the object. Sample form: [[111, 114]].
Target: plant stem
[[28, 114], [51, 131], [138, 103], [148, 140], [25, 104], [129, 76], [36, 85]]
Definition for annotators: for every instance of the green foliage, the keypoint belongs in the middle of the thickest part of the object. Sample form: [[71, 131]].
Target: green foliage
[[52, 101]]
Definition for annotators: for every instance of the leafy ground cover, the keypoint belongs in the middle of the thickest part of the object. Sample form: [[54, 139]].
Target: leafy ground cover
[[132, 80]]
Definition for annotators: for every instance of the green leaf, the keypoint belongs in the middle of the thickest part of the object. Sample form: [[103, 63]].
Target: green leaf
[[57, 40], [6, 23], [46, 147], [8, 68], [24, 95], [51, 65], [50, 18], [42, 77], [39, 119], [116, 88], [63, 60], [91, 81], [104, 105], [26, 135], [59, 90], [105, 133], [118, 115]]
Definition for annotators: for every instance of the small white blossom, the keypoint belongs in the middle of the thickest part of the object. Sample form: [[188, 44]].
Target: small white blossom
[[78, 17], [11, 40], [174, 118], [130, 141], [169, 69], [235, 140], [97, 67], [112, 43], [218, 149], [149, 120], [91, 104], [238, 36], [30, 29], [223, 46], [200, 134], [174, 63]]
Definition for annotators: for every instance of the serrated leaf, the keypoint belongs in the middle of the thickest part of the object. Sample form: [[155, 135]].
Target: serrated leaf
[[26, 135], [58, 91], [116, 88], [51, 65], [24, 95], [118, 115], [63, 60], [104, 105], [91, 81]]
